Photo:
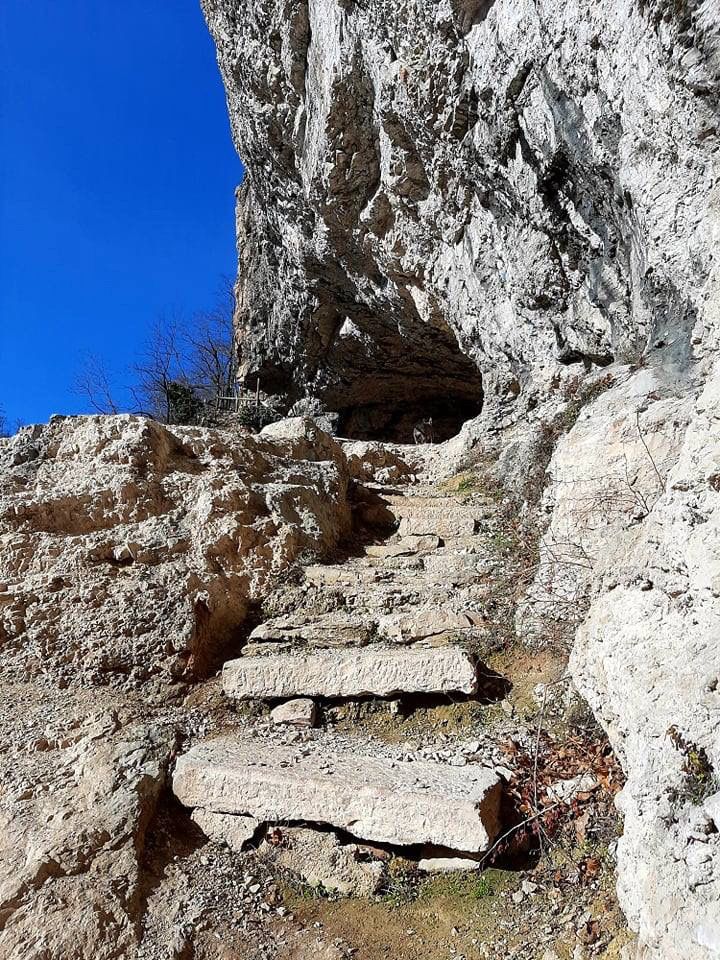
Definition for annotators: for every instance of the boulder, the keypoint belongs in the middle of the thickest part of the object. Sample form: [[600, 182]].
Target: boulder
[[80, 784]]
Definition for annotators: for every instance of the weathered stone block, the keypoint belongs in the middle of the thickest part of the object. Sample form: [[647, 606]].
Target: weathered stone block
[[374, 798], [376, 670]]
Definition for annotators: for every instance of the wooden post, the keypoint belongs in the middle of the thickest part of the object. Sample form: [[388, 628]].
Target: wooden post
[[257, 394]]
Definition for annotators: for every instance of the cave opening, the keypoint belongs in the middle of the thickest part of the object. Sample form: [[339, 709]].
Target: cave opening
[[404, 383], [426, 419]]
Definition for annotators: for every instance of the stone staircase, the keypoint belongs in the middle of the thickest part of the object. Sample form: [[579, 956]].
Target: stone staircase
[[400, 616]]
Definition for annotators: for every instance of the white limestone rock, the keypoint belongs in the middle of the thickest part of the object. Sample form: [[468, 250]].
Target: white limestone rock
[[634, 535], [409, 627], [375, 670], [295, 713], [142, 546], [505, 219], [565, 791], [226, 828], [372, 798], [328, 630], [79, 786], [321, 860]]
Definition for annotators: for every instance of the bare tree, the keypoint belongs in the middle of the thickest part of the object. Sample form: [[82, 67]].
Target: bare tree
[[161, 372], [185, 367], [93, 382], [209, 345]]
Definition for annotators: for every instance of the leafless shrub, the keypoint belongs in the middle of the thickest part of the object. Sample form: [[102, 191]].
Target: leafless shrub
[[7, 429]]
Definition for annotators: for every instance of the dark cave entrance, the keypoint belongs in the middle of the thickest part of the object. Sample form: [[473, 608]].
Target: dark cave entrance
[[429, 419], [403, 383]]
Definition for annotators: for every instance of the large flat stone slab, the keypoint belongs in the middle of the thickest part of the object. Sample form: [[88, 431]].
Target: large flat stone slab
[[373, 798], [377, 670], [409, 546], [442, 519]]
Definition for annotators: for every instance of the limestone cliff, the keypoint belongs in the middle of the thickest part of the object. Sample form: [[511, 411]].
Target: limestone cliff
[[462, 204], [448, 199]]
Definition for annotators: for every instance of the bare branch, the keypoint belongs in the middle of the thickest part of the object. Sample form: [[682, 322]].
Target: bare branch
[[93, 383]]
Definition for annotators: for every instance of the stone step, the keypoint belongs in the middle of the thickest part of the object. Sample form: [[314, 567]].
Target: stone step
[[446, 522], [408, 627], [453, 568], [371, 797], [376, 670], [405, 547], [302, 629], [340, 575], [414, 515], [366, 579]]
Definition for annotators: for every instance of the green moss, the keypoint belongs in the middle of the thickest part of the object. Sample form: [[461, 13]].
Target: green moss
[[700, 779], [468, 886]]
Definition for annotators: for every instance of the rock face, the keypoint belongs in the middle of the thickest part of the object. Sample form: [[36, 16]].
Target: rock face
[[442, 191], [464, 202], [376, 670], [142, 546], [372, 798], [632, 549], [80, 782]]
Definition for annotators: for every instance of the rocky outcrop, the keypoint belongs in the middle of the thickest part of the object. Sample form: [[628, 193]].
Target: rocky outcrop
[[143, 546], [130, 554], [80, 782], [449, 199], [631, 555]]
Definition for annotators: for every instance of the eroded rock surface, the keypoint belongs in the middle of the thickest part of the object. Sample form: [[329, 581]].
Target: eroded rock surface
[[81, 778], [129, 555], [631, 555], [143, 545], [439, 191]]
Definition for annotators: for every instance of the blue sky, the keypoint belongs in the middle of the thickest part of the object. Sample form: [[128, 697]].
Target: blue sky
[[117, 179]]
